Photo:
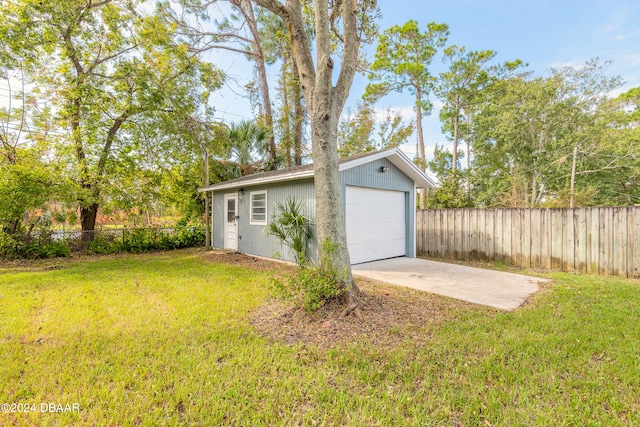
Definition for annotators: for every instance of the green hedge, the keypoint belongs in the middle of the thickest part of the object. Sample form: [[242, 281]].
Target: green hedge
[[126, 240], [148, 239]]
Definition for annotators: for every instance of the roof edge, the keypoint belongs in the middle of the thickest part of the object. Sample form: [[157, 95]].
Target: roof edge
[[225, 185], [395, 156]]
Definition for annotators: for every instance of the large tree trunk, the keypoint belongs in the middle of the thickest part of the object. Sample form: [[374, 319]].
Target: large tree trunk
[[88, 216], [329, 208], [325, 103]]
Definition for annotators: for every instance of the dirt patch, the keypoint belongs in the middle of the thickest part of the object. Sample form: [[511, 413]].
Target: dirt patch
[[248, 261], [391, 314]]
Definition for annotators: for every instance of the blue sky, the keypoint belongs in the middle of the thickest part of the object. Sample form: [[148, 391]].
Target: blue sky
[[543, 33]]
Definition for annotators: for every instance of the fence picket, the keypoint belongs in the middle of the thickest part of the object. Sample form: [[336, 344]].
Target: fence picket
[[569, 243], [581, 232], [474, 233], [536, 240], [619, 253], [526, 237], [635, 268], [605, 232], [490, 231]]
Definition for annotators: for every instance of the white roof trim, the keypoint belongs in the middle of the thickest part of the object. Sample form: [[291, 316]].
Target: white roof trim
[[366, 159], [395, 156], [399, 160], [258, 180]]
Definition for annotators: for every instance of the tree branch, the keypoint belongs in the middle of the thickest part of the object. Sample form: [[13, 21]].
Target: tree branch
[[107, 58], [209, 46], [111, 135], [350, 53], [299, 41], [278, 8]]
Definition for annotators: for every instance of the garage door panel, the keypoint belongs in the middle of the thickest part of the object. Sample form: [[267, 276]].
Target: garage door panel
[[382, 232], [380, 214], [376, 225], [366, 196], [364, 252]]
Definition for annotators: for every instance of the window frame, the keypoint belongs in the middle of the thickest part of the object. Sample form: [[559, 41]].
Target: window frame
[[253, 221]]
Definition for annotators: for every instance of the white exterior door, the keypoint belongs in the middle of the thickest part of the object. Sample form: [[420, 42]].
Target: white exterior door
[[231, 221], [376, 225]]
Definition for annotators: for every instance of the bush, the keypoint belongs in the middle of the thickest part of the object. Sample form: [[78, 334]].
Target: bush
[[8, 246], [312, 286], [190, 236], [56, 249], [148, 239], [105, 244]]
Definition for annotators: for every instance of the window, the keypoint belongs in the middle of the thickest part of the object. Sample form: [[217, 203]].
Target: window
[[231, 210], [258, 208]]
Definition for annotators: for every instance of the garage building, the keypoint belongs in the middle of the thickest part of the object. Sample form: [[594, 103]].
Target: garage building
[[379, 198]]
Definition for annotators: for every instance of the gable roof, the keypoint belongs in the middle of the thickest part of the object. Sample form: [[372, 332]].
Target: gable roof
[[394, 155]]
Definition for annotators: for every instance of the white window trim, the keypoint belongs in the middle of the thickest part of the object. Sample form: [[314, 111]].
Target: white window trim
[[251, 220]]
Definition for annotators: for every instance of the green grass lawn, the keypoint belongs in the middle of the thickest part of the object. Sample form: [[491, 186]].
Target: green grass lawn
[[165, 339]]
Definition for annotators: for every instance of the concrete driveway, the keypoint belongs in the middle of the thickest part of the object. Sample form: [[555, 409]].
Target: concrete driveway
[[506, 291]]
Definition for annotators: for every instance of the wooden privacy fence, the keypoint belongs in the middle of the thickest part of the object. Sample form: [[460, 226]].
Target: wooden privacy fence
[[602, 241]]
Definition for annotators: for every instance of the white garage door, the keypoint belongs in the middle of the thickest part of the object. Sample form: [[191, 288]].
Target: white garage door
[[376, 226]]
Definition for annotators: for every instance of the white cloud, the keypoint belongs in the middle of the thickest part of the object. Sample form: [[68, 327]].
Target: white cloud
[[615, 23], [632, 59], [406, 112]]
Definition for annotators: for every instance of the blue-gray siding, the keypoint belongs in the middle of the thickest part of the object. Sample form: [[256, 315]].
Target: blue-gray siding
[[253, 240]]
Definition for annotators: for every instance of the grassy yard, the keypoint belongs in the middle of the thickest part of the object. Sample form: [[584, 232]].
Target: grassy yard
[[165, 339]]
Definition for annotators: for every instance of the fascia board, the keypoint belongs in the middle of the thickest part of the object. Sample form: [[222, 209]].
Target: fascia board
[[257, 181]]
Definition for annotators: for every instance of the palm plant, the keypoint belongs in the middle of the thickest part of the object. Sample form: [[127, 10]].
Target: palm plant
[[247, 141], [292, 227]]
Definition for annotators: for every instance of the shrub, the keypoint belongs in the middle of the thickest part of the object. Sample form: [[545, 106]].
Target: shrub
[[105, 244], [8, 246], [312, 286], [139, 240], [57, 249], [190, 236]]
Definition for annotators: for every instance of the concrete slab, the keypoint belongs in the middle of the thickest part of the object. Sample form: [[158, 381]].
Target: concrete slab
[[498, 289]]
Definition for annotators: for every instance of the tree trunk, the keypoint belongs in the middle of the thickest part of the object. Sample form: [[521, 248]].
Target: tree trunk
[[325, 103], [467, 140], [421, 151], [329, 209], [207, 219], [88, 216], [298, 117], [573, 177], [286, 123], [454, 165], [247, 9]]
